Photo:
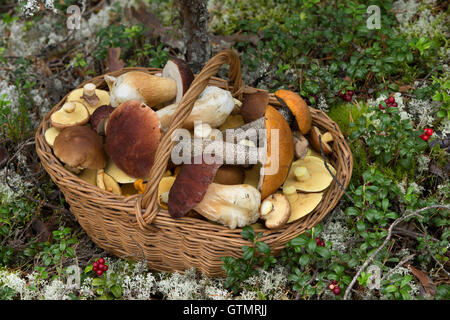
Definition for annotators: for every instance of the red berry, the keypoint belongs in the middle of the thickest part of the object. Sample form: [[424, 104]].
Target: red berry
[[428, 132], [395, 105], [350, 93], [337, 290], [340, 94], [386, 101], [105, 267], [348, 98], [334, 282], [424, 137], [381, 107], [99, 272], [391, 100], [331, 286], [95, 265], [101, 261], [318, 240]]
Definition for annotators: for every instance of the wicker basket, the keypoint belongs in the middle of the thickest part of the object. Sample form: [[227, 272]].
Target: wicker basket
[[135, 227]]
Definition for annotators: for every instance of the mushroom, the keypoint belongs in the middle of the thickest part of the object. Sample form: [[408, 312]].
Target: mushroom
[[325, 138], [99, 117], [213, 106], [233, 206], [178, 70], [233, 121], [50, 135], [275, 210], [275, 165], [89, 175], [229, 175], [252, 175], [301, 203], [141, 86], [106, 182], [132, 137], [70, 114], [230, 205], [301, 145], [90, 96], [80, 147], [254, 106], [117, 174], [308, 175], [298, 107], [163, 191]]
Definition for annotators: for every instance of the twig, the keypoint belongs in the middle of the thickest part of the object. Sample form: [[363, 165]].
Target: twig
[[385, 242], [431, 253], [402, 262]]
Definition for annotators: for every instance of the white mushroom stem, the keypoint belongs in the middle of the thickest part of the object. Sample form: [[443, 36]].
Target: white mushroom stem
[[202, 130], [266, 208], [301, 174], [165, 197], [291, 193], [89, 89], [69, 107], [100, 179]]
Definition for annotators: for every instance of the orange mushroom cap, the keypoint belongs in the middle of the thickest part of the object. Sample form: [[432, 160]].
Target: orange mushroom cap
[[298, 107]]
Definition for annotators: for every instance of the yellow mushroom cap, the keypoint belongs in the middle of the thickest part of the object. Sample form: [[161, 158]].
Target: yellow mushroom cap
[[164, 187], [89, 175], [50, 135], [309, 175], [89, 90], [106, 182], [301, 203], [117, 174], [69, 115]]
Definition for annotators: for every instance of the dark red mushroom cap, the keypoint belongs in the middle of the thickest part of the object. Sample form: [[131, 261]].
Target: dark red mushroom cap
[[132, 137], [190, 187], [99, 116]]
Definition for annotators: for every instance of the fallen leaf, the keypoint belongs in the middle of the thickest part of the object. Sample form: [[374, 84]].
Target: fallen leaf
[[424, 280], [113, 61], [406, 88], [41, 229], [3, 156]]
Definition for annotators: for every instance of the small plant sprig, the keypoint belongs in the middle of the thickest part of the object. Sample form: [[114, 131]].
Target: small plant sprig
[[239, 270]]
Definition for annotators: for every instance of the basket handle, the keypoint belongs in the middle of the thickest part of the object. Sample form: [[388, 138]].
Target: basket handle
[[148, 201]]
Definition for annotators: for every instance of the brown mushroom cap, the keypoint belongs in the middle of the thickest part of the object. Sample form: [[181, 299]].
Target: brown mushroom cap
[[275, 210], [325, 139], [80, 146], [274, 120], [132, 137], [99, 116], [190, 187], [179, 71], [254, 106], [230, 175], [298, 107], [70, 114]]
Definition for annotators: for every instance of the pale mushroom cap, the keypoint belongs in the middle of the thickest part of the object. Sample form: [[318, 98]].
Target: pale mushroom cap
[[303, 204], [89, 175], [80, 147], [70, 114], [50, 135], [106, 182], [319, 177], [117, 174], [76, 95], [164, 187]]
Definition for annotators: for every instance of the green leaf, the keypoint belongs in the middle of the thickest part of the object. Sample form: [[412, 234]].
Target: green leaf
[[116, 291], [249, 252], [391, 288], [248, 233], [312, 245], [98, 282], [304, 259], [263, 247], [299, 241]]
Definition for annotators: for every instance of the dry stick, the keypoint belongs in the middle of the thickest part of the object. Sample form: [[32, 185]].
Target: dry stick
[[431, 253], [332, 175], [392, 226], [402, 262]]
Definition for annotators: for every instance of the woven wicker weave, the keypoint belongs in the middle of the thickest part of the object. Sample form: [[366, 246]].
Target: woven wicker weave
[[135, 227]]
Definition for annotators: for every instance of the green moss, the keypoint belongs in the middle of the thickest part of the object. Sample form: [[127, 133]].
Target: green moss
[[343, 114]]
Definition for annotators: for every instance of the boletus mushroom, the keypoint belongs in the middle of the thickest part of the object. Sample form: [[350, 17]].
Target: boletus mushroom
[[89, 96], [141, 86], [301, 203], [254, 106], [298, 107], [309, 175], [80, 147], [325, 138], [50, 135], [99, 117], [230, 205], [180, 71], [106, 182], [275, 210], [70, 114], [132, 137]]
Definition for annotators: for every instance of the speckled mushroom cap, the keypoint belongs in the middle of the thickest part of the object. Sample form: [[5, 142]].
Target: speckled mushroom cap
[[132, 137], [80, 147], [298, 107]]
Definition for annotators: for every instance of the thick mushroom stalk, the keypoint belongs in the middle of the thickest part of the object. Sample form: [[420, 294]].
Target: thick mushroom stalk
[[230, 205], [275, 210], [89, 96]]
